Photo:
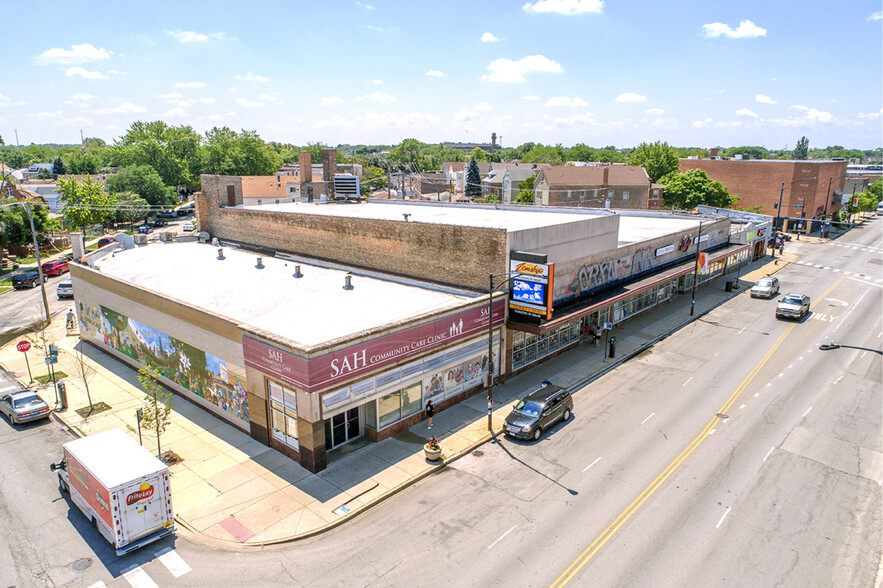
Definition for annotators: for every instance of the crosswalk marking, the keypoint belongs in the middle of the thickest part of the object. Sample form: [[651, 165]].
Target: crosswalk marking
[[8, 387], [173, 562], [98, 584], [138, 578]]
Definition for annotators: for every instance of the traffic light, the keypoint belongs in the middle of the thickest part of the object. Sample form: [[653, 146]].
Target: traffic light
[[802, 214], [776, 205]]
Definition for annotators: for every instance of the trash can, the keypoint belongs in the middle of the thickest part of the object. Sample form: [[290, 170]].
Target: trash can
[[728, 287], [62, 394], [612, 347]]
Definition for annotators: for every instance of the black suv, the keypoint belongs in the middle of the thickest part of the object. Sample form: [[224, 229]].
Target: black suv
[[26, 280], [539, 410]]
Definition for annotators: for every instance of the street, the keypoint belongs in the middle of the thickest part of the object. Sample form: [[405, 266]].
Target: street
[[733, 452], [22, 308]]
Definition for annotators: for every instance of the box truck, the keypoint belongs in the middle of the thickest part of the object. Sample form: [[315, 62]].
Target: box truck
[[120, 486]]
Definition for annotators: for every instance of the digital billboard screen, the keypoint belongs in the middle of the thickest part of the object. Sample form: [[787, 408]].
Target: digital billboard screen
[[528, 292]]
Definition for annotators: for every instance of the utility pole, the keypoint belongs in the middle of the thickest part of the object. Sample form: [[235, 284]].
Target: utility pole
[[39, 265], [696, 270]]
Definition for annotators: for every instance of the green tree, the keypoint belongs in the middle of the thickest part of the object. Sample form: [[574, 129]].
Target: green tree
[[172, 151], [81, 162], [245, 154], [479, 154], [801, 150], [580, 152], [526, 190], [58, 167], [15, 226], [545, 154], [687, 190], [373, 178], [156, 412], [130, 207], [85, 204], [15, 157], [658, 159], [94, 142], [748, 152], [143, 181], [876, 189], [473, 179]]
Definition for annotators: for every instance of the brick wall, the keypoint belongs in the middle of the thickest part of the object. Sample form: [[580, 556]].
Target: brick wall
[[638, 199]]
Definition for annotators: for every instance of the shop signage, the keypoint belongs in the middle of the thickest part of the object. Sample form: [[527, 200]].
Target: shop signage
[[326, 370], [531, 291], [664, 250], [701, 239]]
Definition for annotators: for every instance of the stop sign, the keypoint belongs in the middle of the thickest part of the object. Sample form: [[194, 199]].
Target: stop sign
[[22, 346]]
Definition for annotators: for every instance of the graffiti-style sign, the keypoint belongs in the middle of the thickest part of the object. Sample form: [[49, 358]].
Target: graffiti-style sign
[[685, 243]]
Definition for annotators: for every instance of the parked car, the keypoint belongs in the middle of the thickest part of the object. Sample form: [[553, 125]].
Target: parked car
[[185, 209], [145, 229], [188, 226], [23, 406], [159, 222], [793, 306], [24, 280], [765, 288], [105, 241], [65, 289], [167, 214], [538, 411], [55, 268]]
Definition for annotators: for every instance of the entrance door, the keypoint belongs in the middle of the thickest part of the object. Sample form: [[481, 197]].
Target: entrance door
[[231, 195], [341, 428]]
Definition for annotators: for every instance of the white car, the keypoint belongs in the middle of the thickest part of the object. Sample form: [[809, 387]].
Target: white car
[[765, 288], [188, 226], [65, 289]]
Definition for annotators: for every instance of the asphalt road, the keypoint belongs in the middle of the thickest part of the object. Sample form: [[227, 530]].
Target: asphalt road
[[22, 308], [645, 485]]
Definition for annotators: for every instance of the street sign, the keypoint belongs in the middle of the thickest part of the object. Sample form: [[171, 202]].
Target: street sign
[[50, 359], [22, 346], [608, 326]]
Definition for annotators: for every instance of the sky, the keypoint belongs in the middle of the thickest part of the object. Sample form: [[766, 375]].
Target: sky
[[599, 72]]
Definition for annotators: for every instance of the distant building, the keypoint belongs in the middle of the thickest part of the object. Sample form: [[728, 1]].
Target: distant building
[[491, 147], [456, 171], [596, 186], [502, 181]]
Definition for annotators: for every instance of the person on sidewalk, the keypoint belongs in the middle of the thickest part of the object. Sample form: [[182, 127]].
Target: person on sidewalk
[[70, 320], [430, 410], [597, 335]]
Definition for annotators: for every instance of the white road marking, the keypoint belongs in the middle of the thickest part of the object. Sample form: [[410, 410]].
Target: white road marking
[[98, 584], [591, 464], [741, 331], [862, 356], [687, 382], [716, 354], [743, 406], [807, 412], [10, 387], [501, 536], [837, 381], [756, 394], [648, 418], [800, 358], [138, 578], [837, 271], [726, 512], [173, 562], [770, 384], [782, 374], [711, 432], [854, 306], [768, 453], [790, 366]]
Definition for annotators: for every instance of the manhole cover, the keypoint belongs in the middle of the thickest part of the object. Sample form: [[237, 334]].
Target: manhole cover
[[477, 453], [722, 416], [82, 564]]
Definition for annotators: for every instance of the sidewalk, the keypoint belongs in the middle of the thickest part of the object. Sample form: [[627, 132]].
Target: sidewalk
[[233, 492]]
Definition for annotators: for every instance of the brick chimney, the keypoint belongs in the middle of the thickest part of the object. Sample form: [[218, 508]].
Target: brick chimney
[[605, 178], [329, 164], [306, 167]]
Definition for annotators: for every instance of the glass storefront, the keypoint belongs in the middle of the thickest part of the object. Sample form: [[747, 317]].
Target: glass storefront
[[283, 413], [644, 300], [528, 348]]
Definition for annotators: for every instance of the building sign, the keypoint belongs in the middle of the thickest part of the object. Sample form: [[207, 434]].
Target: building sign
[[326, 370], [701, 239], [531, 291], [664, 250]]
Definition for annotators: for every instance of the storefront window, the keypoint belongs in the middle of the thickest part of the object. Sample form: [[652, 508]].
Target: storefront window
[[390, 408], [283, 413], [412, 400]]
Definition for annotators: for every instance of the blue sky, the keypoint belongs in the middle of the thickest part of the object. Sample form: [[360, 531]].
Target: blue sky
[[693, 73]]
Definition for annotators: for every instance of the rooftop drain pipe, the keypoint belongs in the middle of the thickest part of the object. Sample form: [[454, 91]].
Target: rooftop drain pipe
[[348, 282], [297, 273], [221, 255], [260, 263]]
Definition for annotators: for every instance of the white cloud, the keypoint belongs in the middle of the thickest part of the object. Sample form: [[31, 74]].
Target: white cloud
[[530, 97], [124, 108], [171, 96], [364, 6], [655, 111], [80, 96], [379, 121], [871, 115], [506, 70], [375, 29], [473, 114], [631, 97], [194, 37], [247, 103], [271, 97], [746, 112], [47, 114], [207, 100], [576, 121], [764, 99], [813, 115], [117, 72], [175, 113], [77, 54], [190, 84], [875, 16], [434, 73], [250, 77], [377, 97], [701, 124], [565, 101], [377, 82], [746, 30], [78, 71], [490, 38], [565, 6], [331, 100]]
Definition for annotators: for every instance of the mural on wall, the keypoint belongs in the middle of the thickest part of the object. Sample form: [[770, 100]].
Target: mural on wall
[[589, 277], [452, 380], [199, 372]]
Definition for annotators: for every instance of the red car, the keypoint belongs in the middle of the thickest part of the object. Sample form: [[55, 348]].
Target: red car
[[55, 268]]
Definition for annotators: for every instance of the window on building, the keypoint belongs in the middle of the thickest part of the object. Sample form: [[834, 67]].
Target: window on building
[[625, 196], [655, 195], [283, 413], [399, 404]]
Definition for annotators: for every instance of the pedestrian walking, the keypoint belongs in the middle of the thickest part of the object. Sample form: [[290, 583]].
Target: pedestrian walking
[[597, 335], [70, 320], [430, 410]]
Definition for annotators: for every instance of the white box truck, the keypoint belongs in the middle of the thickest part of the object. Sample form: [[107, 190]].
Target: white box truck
[[120, 486]]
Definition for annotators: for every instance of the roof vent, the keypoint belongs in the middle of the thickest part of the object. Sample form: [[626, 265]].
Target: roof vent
[[406, 215], [260, 263], [348, 282], [221, 254], [297, 273]]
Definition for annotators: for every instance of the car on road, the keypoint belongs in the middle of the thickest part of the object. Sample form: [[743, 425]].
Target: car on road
[[55, 267], [23, 406], [104, 241], [765, 288], [538, 411], [65, 289], [188, 226], [167, 214], [159, 222], [145, 229], [29, 279], [185, 209], [793, 306]]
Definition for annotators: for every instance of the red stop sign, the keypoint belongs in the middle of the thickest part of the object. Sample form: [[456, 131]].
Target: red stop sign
[[22, 346]]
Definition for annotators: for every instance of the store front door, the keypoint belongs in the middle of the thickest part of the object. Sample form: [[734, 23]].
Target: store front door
[[342, 428]]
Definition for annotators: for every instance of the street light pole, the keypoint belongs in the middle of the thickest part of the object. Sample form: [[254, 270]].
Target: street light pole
[[696, 270], [490, 340]]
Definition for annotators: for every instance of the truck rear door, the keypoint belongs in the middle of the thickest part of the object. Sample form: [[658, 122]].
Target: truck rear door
[[143, 507]]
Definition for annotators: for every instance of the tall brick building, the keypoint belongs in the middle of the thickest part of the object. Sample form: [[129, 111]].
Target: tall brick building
[[758, 182]]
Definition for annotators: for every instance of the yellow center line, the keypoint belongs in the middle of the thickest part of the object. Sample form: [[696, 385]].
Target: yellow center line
[[632, 508]]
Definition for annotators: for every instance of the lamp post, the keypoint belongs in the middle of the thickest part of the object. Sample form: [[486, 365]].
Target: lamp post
[[490, 340], [696, 270], [779, 207]]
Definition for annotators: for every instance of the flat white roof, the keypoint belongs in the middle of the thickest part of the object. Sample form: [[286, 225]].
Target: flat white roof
[[634, 229], [308, 310]]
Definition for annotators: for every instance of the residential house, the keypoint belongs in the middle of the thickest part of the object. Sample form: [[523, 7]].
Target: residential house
[[456, 172], [595, 186], [502, 181]]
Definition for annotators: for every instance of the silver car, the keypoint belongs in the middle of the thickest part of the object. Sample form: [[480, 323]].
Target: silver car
[[24, 406], [65, 289], [765, 288], [794, 306]]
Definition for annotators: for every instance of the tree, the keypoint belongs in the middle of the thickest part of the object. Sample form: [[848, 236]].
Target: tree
[[143, 181], [658, 159], [801, 149], [130, 207], [545, 154], [84, 370], [580, 152], [526, 190], [58, 167], [473, 179], [243, 154], [172, 151], [687, 190], [15, 157], [85, 203], [91, 142], [81, 162], [877, 189], [156, 413], [15, 226]]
